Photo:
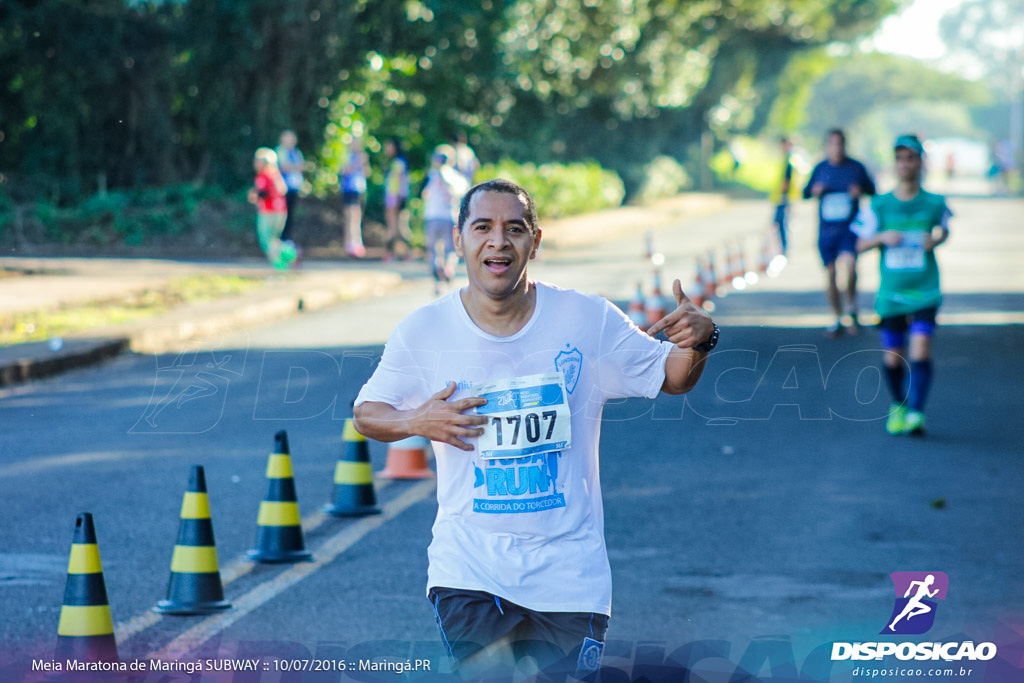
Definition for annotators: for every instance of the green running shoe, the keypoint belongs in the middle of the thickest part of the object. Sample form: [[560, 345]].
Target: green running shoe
[[913, 423], [897, 418]]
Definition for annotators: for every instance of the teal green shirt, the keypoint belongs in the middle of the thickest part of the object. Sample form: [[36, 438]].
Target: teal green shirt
[[910, 274]]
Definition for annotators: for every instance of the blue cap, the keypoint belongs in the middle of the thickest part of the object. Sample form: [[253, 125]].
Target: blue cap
[[910, 142]]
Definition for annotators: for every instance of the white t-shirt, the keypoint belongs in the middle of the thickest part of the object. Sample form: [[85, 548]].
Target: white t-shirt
[[442, 193], [529, 529]]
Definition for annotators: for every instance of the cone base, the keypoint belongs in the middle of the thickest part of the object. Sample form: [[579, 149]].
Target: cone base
[[407, 459], [278, 557], [101, 648], [276, 544], [406, 474], [175, 607], [352, 510]]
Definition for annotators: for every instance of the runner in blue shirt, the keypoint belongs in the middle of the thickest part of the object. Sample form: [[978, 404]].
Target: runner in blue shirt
[[838, 182]]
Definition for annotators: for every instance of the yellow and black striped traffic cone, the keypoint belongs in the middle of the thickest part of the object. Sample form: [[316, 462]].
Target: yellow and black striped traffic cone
[[86, 630], [194, 587], [279, 537], [353, 478]]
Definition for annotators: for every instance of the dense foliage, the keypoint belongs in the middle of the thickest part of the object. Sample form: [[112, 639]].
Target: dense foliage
[[107, 94], [853, 86], [563, 189]]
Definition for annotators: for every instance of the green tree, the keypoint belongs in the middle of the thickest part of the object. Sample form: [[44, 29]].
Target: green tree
[[991, 32], [854, 86], [133, 93]]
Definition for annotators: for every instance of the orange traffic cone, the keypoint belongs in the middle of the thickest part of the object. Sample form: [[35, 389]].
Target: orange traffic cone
[[710, 283], [648, 245], [727, 270], [86, 630], [766, 253], [654, 309], [738, 267], [195, 586], [353, 478], [407, 459], [750, 274], [635, 312], [696, 294], [279, 535]]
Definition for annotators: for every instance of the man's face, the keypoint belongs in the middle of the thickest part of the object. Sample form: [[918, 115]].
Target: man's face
[[496, 243], [835, 147], [908, 164]]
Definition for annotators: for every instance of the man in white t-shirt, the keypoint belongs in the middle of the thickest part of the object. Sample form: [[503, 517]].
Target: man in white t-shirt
[[508, 378]]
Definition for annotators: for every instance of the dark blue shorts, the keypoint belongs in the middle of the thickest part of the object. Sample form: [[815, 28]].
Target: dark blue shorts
[[470, 620], [894, 328], [834, 240]]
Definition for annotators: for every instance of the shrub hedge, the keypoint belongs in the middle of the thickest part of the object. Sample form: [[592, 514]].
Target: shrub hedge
[[562, 189]]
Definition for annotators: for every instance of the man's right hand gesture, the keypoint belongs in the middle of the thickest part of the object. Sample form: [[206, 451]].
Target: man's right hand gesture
[[439, 419]]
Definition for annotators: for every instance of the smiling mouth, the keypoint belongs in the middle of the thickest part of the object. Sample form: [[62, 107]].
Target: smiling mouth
[[498, 264]]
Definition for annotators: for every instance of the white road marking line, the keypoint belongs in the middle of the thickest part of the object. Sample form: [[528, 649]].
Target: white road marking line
[[192, 639], [235, 569]]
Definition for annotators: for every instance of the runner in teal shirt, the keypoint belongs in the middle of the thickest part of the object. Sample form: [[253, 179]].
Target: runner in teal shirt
[[906, 225], [909, 271]]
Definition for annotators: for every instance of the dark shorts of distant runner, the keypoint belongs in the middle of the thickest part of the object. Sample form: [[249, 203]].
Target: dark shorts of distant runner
[[834, 240]]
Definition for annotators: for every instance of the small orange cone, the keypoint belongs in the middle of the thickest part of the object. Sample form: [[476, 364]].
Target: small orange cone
[[353, 478], [710, 284], [407, 459], [750, 273], [195, 586], [635, 312], [696, 294], [727, 270], [86, 630], [279, 534], [654, 309], [738, 268], [766, 253]]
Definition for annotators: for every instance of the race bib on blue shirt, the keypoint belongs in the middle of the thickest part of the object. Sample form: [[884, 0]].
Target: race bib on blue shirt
[[836, 206]]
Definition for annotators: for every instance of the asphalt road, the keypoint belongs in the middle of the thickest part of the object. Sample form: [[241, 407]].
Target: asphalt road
[[754, 521]]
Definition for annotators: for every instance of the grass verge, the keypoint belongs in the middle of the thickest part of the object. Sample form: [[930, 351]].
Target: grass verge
[[39, 325]]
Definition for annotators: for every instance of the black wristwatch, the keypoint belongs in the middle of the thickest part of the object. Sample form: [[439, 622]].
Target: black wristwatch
[[711, 343]]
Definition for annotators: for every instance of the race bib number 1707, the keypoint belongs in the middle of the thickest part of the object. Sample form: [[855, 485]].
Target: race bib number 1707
[[526, 416]]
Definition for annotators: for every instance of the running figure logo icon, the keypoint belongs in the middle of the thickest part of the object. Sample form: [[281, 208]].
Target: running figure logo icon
[[916, 592]]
